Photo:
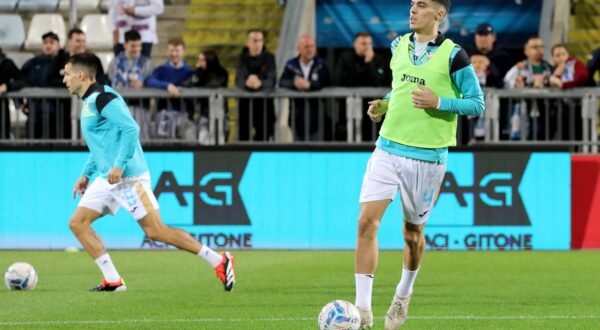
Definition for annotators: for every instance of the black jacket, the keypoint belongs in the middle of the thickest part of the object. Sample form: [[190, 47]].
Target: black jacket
[[10, 74], [352, 71], [262, 65]]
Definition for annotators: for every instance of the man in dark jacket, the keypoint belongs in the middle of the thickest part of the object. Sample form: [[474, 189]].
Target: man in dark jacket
[[43, 114], [306, 73], [360, 67], [255, 71], [10, 80], [485, 39]]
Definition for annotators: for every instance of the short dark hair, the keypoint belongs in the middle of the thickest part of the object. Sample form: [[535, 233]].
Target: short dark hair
[[176, 42], [50, 35], [132, 35], [362, 34], [255, 30], [75, 31], [532, 38], [87, 61], [445, 3]]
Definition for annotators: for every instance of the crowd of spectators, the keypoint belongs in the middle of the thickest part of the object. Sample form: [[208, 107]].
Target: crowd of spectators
[[361, 66]]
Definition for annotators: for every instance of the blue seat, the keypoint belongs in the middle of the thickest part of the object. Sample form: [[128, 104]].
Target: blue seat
[[12, 31], [8, 4], [38, 5]]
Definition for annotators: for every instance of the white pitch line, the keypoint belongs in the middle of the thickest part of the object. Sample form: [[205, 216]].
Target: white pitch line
[[297, 319]]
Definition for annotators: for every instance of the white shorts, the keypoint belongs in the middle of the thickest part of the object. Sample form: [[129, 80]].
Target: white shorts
[[134, 194], [417, 180]]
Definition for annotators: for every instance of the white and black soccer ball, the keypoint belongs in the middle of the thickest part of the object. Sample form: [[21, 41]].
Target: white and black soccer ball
[[339, 315], [20, 276]]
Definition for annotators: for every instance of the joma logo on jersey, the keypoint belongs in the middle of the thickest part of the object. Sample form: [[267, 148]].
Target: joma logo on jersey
[[412, 79], [214, 190]]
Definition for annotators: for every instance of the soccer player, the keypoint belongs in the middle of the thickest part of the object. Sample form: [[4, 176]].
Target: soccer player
[[433, 82], [123, 179]]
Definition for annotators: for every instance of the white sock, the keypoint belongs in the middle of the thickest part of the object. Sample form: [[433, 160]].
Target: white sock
[[405, 287], [208, 254], [108, 269], [364, 290]]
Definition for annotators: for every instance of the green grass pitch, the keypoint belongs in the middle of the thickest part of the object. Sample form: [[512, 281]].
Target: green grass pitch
[[286, 290]]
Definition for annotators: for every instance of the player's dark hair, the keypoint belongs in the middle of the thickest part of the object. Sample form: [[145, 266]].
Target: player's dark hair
[[445, 3], [85, 61], [132, 35]]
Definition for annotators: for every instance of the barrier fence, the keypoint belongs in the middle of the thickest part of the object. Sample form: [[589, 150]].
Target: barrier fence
[[282, 116]]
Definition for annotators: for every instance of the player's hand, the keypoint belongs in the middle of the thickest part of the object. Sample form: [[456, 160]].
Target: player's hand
[[80, 186], [114, 176], [376, 110], [424, 98]]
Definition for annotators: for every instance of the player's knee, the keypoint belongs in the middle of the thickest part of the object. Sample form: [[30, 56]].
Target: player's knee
[[154, 234], [77, 225], [367, 226]]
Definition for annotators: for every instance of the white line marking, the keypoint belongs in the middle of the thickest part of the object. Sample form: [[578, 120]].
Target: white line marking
[[298, 319]]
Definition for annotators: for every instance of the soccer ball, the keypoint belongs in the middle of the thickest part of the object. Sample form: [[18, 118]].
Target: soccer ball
[[339, 315], [20, 276]]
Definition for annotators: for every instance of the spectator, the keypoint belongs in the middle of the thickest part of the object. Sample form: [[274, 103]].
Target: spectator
[[10, 80], [139, 15], [76, 44], [593, 66], [209, 74], [485, 38], [171, 122], [569, 71], [37, 70], [307, 72], [360, 67], [486, 72], [130, 68], [533, 71], [43, 116], [255, 71]]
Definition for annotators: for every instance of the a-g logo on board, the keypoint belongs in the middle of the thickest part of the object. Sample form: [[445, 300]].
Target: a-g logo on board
[[216, 177], [495, 189]]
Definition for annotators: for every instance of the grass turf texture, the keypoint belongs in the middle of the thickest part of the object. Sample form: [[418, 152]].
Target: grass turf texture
[[286, 290]]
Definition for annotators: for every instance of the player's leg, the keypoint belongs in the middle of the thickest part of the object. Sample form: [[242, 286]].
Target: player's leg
[[420, 186], [95, 202], [380, 185], [223, 263]]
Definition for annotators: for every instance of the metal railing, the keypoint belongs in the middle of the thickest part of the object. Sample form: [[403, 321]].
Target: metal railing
[[553, 116]]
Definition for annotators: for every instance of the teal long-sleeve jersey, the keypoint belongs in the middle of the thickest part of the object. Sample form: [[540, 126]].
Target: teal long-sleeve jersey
[[111, 134]]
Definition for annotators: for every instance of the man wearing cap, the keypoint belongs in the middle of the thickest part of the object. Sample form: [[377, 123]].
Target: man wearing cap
[[39, 72], [485, 37]]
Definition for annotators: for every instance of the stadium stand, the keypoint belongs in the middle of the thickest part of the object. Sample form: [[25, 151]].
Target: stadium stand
[[97, 32], [87, 5], [105, 58], [38, 5], [42, 23], [8, 4], [12, 31], [584, 32], [19, 57]]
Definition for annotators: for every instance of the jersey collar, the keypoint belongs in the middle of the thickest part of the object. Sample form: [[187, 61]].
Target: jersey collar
[[95, 87], [437, 42]]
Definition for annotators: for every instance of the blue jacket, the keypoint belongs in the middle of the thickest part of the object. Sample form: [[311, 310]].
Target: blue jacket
[[167, 74], [318, 77]]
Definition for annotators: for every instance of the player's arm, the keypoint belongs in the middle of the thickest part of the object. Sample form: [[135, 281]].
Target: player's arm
[[116, 112], [464, 78]]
